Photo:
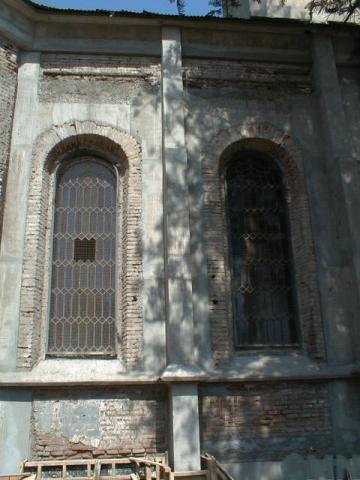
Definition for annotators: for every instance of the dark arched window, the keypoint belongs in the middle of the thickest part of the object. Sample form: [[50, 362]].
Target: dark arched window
[[82, 306], [260, 253]]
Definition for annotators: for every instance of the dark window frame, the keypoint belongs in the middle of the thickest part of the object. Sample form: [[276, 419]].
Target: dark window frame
[[70, 160], [254, 155]]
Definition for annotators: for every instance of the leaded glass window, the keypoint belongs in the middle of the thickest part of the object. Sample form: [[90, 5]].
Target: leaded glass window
[[82, 307], [260, 253]]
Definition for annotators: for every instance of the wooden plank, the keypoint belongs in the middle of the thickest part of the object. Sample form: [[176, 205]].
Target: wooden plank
[[192, 473], [212, 469], [147, 472], [51, 463], [145, 461], [20, 476]]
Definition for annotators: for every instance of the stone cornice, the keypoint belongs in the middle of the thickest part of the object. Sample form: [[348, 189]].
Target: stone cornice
[[22, 21]]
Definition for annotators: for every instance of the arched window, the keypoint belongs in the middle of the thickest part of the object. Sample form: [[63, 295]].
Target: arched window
[[82, 306], [260, 253]]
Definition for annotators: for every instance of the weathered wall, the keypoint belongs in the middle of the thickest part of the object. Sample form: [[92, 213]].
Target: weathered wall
[[225, 97], [241, 73], [87, 78], [297, 9], [96, 423], [350, 88], [120, 92], [15, 406], [8, 77], [265, 421]]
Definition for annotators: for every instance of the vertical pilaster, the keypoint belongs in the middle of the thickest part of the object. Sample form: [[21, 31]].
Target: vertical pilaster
[[15, 429], [185, 451], [180, 323], [337, 239], [185, 440], [12, 245]]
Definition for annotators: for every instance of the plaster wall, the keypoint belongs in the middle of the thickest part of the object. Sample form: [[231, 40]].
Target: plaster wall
[[244, 45], [349, 78], [15, 404], [297, 468], [296, 9]]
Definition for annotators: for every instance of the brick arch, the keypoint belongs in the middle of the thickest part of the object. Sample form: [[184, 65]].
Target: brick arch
[[51, 147], [61, 139], [264, 138]]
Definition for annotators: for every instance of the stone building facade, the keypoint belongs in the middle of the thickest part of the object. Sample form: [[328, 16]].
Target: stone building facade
[[161, 107]]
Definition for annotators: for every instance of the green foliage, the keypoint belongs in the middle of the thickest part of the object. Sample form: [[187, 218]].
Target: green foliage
[[215, 5], [348, 9]]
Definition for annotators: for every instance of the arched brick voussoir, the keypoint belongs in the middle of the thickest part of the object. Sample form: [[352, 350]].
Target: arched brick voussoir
[[252, 135], [51, 147], [106, 138], [279, 145]]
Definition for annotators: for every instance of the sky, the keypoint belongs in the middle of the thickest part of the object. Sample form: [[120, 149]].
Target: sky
[[194, 7]]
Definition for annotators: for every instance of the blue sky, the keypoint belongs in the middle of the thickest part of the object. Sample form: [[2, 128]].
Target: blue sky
[[194, 7]]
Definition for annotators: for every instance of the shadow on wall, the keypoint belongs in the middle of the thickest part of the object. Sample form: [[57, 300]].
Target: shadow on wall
[[250, 422]]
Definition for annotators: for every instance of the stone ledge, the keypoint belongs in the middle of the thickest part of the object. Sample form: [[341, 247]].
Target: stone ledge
[[111, 373], [183, 373], [276, 368]]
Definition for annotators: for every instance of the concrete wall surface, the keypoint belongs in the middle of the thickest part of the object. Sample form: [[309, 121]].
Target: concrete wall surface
[[15, 428], [297, 467], [294, 9], [169, 102]]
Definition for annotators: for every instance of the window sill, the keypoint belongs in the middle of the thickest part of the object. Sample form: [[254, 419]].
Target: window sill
[[276, 364], [79, 356], [75, 368], [268, 349]]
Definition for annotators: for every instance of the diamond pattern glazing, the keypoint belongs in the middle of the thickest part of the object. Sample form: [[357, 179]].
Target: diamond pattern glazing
[[260, 258], [82, 312]]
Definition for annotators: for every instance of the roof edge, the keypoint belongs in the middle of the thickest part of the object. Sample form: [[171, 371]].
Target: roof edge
[[183, 18]]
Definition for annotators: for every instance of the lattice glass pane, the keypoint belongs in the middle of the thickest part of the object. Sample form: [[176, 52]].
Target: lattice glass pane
[[82, 312], [259, 253]]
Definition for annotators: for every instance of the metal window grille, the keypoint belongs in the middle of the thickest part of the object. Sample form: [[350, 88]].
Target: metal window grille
[[82, 307], [260, 257], [84, 250]]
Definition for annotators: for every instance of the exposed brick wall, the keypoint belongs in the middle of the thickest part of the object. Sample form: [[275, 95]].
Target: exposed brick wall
[[280, 78], [278, 145], [91, 423], [100, 79], [264, 421], [8, 79], [124, 151]]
